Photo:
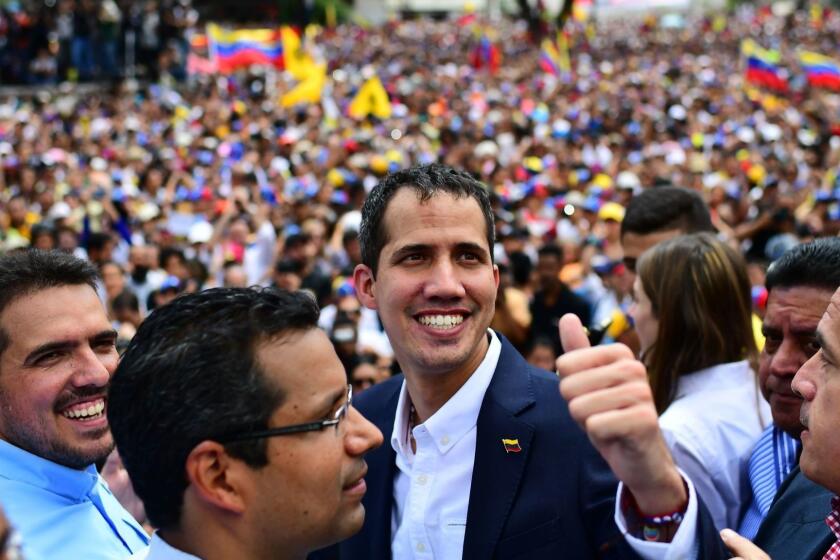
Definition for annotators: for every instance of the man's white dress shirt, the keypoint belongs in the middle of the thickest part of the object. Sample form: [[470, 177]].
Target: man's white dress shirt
[[432, 485]]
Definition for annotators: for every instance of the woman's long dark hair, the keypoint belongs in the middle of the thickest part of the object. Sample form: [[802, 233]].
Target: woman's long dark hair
[[700, 292]]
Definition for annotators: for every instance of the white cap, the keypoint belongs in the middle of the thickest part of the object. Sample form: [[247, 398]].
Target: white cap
[[200, 232]]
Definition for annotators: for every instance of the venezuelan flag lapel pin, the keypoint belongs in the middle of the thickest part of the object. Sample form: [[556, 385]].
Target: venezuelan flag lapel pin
[[511, 445]]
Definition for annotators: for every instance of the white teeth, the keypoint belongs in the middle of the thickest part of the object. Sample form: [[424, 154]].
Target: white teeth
[[91, 411], [441, 321]]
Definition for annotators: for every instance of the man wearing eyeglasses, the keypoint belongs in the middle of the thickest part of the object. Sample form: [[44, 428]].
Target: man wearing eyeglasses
[[233, 418]]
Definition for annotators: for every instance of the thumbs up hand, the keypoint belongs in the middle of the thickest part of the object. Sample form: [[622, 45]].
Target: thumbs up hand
[[610, 397]]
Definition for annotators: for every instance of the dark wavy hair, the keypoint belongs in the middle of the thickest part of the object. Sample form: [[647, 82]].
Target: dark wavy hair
[[427, 181]]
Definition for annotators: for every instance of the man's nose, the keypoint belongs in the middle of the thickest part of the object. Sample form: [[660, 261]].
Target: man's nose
[[362, 436], [93, 368], [445, 281], [787, 360]]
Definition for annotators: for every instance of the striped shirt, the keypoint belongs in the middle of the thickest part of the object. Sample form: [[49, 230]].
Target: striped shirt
[[771, 461]]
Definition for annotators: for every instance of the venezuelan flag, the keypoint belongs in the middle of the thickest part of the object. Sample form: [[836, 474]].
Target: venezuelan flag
[[763, 65], [821, 70], [550, 58], [486, 55], [234, 49]]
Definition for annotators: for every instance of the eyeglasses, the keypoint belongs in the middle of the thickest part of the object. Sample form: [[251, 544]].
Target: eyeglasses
[[340, 414]]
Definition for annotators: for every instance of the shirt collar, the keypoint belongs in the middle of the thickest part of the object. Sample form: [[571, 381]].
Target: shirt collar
[[22, 466], [719, 376], [458, 415], [159, 549]]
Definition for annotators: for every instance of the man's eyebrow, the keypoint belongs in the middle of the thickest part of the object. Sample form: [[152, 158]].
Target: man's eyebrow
[[767, 329], [63, 345], [108, 334], [470, 246], [804, 331], [46, 348], [825, 346], [329, 402], [408, 249]]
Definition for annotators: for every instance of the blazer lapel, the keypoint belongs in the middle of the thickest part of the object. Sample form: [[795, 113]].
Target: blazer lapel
[[498, 465], [374, 540]]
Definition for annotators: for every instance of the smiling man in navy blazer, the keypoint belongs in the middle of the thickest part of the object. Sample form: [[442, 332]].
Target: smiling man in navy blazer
[[483, 457]]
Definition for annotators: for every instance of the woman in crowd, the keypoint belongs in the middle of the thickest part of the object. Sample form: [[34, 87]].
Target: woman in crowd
[[692, 312]]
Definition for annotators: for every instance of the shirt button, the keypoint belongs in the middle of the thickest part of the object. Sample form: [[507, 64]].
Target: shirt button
[[422, 479], [421, 547], [444, 440]]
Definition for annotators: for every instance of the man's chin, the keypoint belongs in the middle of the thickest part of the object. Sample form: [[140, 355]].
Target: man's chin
[[349, 524], [82, 456]]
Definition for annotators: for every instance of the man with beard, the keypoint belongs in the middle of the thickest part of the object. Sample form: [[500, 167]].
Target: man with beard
[[57, 355]]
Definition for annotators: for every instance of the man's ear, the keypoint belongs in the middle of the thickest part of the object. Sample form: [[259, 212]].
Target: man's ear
[[364, 281], [216, 478]]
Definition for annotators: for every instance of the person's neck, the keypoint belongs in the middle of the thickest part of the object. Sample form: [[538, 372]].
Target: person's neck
[[429, 392]]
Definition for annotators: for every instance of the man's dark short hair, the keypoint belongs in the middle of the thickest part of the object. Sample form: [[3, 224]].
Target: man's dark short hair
[[427, 181], [26, 272], [191, 374], [813, 265], [169, 252], [125, 301], [97, 241], [551, 250], [666, 208]]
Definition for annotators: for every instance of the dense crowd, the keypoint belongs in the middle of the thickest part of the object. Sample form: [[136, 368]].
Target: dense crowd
[[170, 189], [44, 43], [495, 217]]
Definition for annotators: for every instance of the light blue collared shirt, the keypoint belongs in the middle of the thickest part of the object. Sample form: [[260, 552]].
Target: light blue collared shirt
[[62, 512], [162, 550]]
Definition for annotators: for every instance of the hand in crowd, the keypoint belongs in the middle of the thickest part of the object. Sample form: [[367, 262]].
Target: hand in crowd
[[609, 396]]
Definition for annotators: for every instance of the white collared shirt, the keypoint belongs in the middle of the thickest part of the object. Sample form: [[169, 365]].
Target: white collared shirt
[[711, 429], [432, 486]]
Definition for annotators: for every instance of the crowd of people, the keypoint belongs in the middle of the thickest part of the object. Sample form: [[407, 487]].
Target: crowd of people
[[46, 43], [652, 197], [218, 183]]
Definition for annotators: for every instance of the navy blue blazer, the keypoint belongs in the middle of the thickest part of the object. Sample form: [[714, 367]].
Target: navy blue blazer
[[795, 526], [554, 499]]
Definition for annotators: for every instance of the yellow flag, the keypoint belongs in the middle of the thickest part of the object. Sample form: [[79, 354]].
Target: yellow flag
[[309, 90], [372, 99], [298, 62], [563, 52]]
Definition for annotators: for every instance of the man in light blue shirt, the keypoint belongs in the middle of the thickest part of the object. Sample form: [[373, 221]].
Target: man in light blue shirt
[[57, 356]]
